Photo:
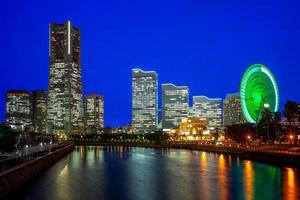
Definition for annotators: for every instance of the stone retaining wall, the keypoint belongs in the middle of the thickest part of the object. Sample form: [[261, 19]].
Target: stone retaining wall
[[21, 174]]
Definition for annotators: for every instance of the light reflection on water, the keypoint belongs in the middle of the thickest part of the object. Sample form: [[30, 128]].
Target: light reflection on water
[[248, 180], [116, 172], [223, 178]]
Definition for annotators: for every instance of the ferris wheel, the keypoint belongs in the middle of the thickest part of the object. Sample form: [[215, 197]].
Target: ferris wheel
[[258, 90]]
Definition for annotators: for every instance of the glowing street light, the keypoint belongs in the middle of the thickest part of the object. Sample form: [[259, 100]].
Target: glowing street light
[[266, 106], [291, 138]]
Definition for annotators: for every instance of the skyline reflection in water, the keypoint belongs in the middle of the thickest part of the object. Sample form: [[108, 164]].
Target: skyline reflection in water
[[117, 172]]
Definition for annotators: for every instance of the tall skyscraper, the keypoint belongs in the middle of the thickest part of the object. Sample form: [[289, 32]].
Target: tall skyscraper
[[18, 109], [94, 113], [65, 107], [39, 110], [208, 108], [144, 100], [232, 109], [175, 105]]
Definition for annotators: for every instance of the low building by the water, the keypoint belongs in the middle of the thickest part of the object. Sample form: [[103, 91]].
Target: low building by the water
[[191, 128]]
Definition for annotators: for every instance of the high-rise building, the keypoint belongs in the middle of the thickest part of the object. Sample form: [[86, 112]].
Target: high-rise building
[[208, 108], [39, 110], [64, 107], [94, 113], [18, 109], [175, 105], [144, 100], [232, 110]]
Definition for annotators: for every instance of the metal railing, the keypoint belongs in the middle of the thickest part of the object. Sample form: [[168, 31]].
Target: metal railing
[[13, 162]]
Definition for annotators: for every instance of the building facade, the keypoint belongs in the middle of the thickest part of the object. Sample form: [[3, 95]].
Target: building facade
[[175, 105], [39, 110], [144, 100], [94, 114], [209, 108], [190, 128], [64, 106], [18, 109], [232, 110]]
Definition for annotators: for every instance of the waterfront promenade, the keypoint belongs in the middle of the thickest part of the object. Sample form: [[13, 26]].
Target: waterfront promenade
[[17, 171]]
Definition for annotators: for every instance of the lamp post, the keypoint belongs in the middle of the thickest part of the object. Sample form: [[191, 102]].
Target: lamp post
[[291, 138], [267, 106]]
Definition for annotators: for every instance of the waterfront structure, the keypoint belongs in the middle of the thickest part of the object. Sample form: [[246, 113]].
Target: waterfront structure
[[64, 106], [94, 113], [190, 128], [39, 110], [232, 110], [175, 105], [258, 91], [144, 100], [18, 109], [210, 109]]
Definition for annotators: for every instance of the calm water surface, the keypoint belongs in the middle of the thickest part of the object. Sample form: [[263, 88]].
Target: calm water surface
[[96, 172]]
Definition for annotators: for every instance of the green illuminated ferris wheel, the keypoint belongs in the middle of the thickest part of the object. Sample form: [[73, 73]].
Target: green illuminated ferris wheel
[[258, 91]]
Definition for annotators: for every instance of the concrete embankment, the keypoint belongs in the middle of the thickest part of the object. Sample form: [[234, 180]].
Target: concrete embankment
[[15, 177], [279, 158]]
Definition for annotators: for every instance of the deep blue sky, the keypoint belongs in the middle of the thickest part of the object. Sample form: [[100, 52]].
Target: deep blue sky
[[206, 46]]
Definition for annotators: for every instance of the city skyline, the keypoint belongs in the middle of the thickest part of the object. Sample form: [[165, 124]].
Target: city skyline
[[207, 77]]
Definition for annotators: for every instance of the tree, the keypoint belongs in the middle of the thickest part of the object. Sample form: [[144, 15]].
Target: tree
[[239, 132], [276, 124], [264, 126], [298, 113], [291, 111], [7, 139]]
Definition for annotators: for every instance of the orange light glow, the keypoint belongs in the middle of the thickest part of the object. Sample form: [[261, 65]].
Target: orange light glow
[[223, 185], [290, 189], [248, 180]]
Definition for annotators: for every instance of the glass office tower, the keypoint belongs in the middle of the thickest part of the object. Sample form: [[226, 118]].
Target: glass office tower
[[209, 108], [64, 106], [39, 110], [175, 105], [94, 113], [232, 110], [18, 109], [144, 100]]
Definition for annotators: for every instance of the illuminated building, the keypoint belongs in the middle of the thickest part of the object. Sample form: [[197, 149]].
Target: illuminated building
[[232, 110], [39, 110], [175, 105], [190, 128], [144, 100], [94, 113], [18, 109], [64, 107], [208, 108]]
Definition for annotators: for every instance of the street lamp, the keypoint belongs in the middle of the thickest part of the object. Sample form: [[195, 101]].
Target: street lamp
[[267, 106], [291, 138]]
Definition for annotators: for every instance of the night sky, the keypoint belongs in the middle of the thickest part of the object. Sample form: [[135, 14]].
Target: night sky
[[206, 46]]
